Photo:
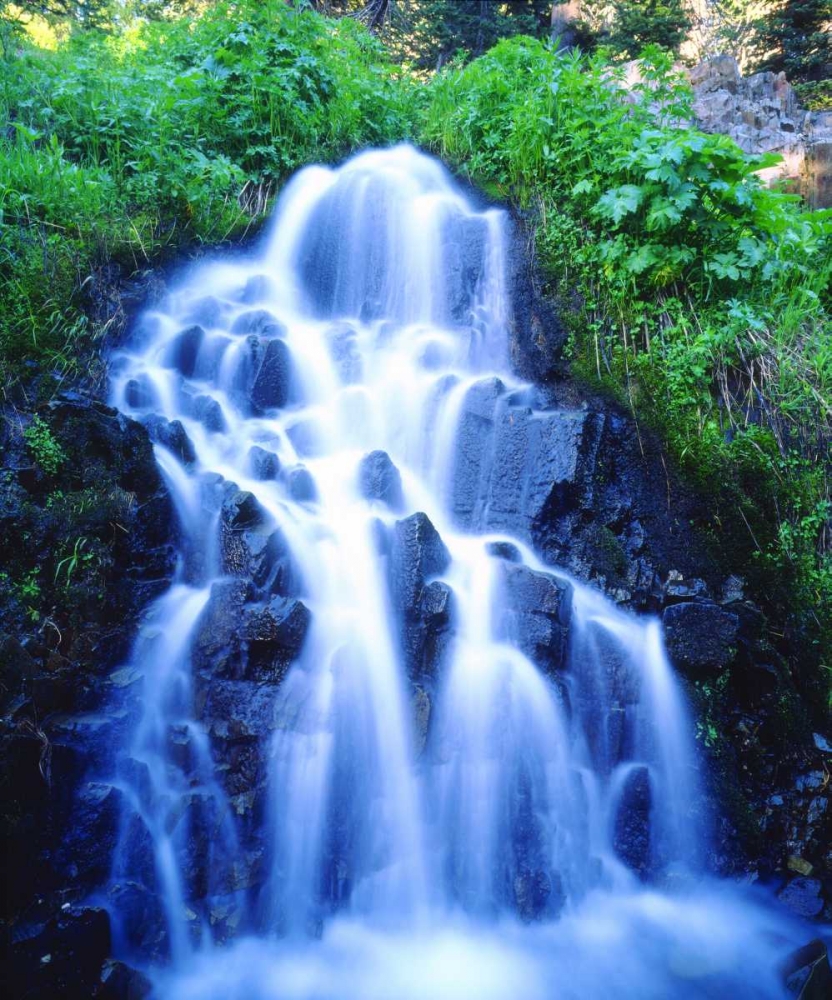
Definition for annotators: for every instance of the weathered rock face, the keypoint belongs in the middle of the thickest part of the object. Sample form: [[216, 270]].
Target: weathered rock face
[[761, 114], [100, 538]]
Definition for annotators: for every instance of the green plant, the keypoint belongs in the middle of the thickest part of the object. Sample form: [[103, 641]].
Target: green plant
[[70, 563], [46, 451]]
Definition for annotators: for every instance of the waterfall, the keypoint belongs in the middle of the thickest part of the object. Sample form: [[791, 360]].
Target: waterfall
[[384, 751]]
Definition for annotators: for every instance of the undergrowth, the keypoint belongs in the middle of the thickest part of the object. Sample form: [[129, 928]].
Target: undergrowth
[[704, 296]]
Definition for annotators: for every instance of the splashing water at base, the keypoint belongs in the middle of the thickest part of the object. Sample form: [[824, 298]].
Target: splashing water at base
[[385, 752]]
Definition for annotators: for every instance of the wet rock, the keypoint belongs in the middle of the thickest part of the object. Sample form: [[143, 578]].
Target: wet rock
[[272, 384], [241, 510], [417, 552], [183, 350], [122, 982], [17, 668], [700, 635], [379, 479], [301, 485], [139, 393], [422, 709], [172, 435], [346, 356], [532, 890], [239, 710], [275, 635], [631, 837], [464, 241], [504, 550], [60, 958], [216, 645], [207, 311], [474, 450], [258, 288], [807, 973], [803, 896], [259, 322], [540, 608], [141, 919], [306, 438], [208, 411], [86, 851], [264, 465]]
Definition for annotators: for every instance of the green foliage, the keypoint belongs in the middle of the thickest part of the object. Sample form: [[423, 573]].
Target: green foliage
[[704, 295], [796, 38], [170, 131], [46, 451]]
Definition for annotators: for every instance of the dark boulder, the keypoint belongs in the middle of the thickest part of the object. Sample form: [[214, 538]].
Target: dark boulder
[[208, 411], [379, 479], [539, 608], [417, 552], [172, 435], [62, 957], [631, 836], [183, 350], [807, 973], [301, 485], [139, 393], [216, 645], [264, 465], [122, 982], [474, 451], [260, 322], [275, 634], [273, 383], [700, 635], [424, 609], [803, 896]]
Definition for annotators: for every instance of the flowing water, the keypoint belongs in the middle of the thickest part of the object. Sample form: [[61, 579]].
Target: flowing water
[[468, 776]]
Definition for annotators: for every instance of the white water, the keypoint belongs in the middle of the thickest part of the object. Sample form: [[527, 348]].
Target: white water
[[451, 834]]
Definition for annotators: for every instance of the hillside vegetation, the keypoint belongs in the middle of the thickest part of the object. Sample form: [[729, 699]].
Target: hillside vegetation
[[695, 295]]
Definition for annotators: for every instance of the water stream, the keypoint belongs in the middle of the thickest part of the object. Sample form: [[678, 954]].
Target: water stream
[[418, 763]]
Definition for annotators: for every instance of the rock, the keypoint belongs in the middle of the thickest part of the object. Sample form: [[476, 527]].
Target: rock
[[422, 708], [139, 393], [62, 957], [272, 385], [301, 485], [183, 350], [239, 710], [275, 635], [122, 982], [821, 743], [417, 552], [172, 435], [537, 619], [346, 356], [803, 896], [700, 635], [473, 450], [208, 411], [264, 465], [464, 239], [532, 890], [258, 288], [141, 919], [16, 668], [207, 311], [380, 480], [216, 645], [259, 322], [631, 836], [504, 550], [807, 973]]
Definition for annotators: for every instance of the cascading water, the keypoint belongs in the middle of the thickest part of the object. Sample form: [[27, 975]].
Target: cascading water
[[383, 748]]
